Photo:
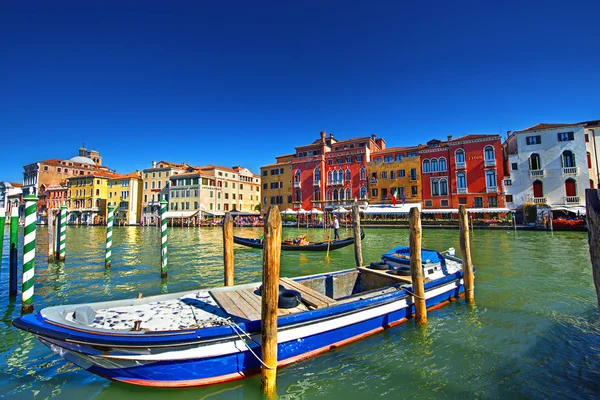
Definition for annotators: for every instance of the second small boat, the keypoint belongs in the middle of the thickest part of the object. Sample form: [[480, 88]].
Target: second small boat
[[292, 245]]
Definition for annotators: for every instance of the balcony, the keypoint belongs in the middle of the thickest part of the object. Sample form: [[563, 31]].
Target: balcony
[[491, 189], [336, 182], [374, 181], [297, 185], [572, 200], [570, 171], [539, 200], [462, 165], [461, 190], [317, 182], [490, 163], [536, 173]]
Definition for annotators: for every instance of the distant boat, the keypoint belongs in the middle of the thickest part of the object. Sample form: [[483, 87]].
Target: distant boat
[[211, 336], [292, 246]]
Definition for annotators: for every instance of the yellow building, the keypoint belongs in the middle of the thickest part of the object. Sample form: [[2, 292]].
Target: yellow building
[[396, 168], [87, 196], [125, 194], [277, 187]]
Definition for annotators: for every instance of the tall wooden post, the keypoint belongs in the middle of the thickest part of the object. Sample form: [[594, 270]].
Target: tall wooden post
[[14, 238], [51, 240], [514, 220], [270, 296], [550, 218], [592, 199], [228, 249], [465, 249], [2, 222], [357, 240], [416, 266]]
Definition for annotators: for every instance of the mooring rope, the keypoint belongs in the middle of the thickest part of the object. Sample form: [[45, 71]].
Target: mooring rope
[[411, 293]]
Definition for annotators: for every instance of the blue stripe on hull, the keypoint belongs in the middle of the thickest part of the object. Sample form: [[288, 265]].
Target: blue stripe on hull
[[188, 370]]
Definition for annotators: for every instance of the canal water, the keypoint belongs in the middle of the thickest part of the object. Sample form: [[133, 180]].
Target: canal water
[[533, 332]]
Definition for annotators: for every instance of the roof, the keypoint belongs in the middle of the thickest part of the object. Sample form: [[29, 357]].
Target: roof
[[14, 184], [394, 149], [210, 167], [131, 175], [459, 139], [541, 126]]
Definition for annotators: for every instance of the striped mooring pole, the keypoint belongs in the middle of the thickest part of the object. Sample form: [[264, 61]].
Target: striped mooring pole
[[109, 226], [29, 252], [163, 231], [62, 233], [2, 221]]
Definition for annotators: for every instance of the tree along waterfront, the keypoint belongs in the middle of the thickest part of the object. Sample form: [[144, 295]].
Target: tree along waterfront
[[534, 290]]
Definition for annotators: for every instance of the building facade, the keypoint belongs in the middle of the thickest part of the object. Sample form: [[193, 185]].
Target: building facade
[[11, 195], [156, 187], [276, 182], [239, 188], [88, 198], [125, 194], [465, 171], [551, 164]]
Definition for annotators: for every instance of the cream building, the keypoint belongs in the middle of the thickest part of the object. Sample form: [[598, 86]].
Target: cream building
[[156, 187], [125, 194]]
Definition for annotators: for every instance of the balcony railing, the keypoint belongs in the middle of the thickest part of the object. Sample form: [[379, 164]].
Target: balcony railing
[[336, 182], [297, 185], [491, 189], [461, 165], [536, 173], [570, 171], [461, 190], [572, 200], [539, 200], [374, 181], [490, 163], [317, 183]]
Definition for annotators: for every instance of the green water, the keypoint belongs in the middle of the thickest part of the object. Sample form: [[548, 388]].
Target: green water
[[533, 332]]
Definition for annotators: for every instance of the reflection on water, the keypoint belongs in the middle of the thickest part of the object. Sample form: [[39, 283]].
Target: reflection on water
[[532, 333]]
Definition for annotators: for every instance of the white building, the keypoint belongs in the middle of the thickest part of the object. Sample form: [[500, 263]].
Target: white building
[[552, 164]]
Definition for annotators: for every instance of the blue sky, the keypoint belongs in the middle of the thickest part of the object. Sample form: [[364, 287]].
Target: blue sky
[[237, 83]]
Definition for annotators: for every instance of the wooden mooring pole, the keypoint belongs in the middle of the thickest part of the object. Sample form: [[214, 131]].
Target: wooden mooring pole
[[228, 261], [357, 240], [416, 266], [270, 296], [465, 249], [592, 200]]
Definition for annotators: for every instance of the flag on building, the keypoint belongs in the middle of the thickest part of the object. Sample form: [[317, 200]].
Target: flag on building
[[394, 195]]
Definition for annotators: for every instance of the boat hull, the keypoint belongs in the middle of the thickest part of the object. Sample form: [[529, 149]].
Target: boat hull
[[224, 359]]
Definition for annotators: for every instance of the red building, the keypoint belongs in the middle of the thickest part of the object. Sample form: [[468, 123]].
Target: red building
[[467, 170], [329, 173]]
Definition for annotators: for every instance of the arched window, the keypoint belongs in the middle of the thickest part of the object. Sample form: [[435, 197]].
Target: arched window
[[490, 177], [363, 173], [335, 195], [348, 177], [538, 188], [297, 176], [488, 152], [298, 195], [435, 188], [329, 176], [443, 187], [434, 165], [335, 175], [460, 156], [329, 195], [272, 200], [363, 192], [342, 197], [568, 159], [348, 194], [426, 167], [442, 164], [318, 195], [317, 174], [570, 187], [535, 162], [589, 160], [461, 181]]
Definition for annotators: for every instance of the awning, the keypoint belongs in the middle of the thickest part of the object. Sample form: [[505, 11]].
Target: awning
[[245, 214], [469, 210], [180, 214], [574, 209], [440, 211], [288, 211], [214, 213], [390, 209]]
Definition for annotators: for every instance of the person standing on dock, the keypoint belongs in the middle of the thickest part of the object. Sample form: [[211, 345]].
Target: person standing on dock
[[336, 228]]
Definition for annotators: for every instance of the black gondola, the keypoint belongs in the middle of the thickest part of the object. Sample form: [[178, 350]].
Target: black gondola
[[311, 246]]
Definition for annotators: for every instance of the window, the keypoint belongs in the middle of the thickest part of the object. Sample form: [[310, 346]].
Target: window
[[388, 159], [461, 181], [265, 174], [460, 156], [492, 201], [384, 174], [363, 192], [507, 182], [514, 166], [359, 158], [490, 177], [442, 164], [568, 159], [444, 203], [348, 176], [401, 173], [317, 195], [488, 152], [589, 160], [509, 198], [570, 187], [399, 157], [329, 162], [414, 190], [342, 197], [374, 192], [348, 194], [264, 200], [565, 136], [533, 139], [428, 203], [462, 200], [377, 159], [339, 160], [348, 159], [317, 174], [443, 187], [478, 202], [434, 165], [265, 186], [538, 189], [411, 154], [145, 185], [435, 188], [535, 162], [392, 175], [426, 167], [413, 174]]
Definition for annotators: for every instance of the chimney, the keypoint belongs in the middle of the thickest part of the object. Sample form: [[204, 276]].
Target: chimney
[[323, 134], [153, 164], [449, 137], [373, 136]]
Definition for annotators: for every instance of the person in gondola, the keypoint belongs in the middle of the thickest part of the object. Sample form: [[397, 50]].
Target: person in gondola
[[336, 228]]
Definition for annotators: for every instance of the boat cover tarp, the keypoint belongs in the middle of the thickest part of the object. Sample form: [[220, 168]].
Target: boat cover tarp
[[427, 256]]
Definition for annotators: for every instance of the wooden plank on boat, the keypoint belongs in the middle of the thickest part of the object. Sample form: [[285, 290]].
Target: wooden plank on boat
[[400, 278], [309, 296], [234, 305]]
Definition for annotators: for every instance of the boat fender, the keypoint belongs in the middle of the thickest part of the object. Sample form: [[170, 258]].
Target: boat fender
[[289, 298], [379, 265], [281, 289], [84, 315], [401, 271]]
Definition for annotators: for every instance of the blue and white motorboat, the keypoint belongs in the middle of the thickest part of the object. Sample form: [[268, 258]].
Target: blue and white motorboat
[[209, 336]]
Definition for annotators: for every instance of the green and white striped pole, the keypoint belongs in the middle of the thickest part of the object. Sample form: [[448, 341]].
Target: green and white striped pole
[[2, 221], [109, 225], [62, 233], [163, 231], [29, 252]]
